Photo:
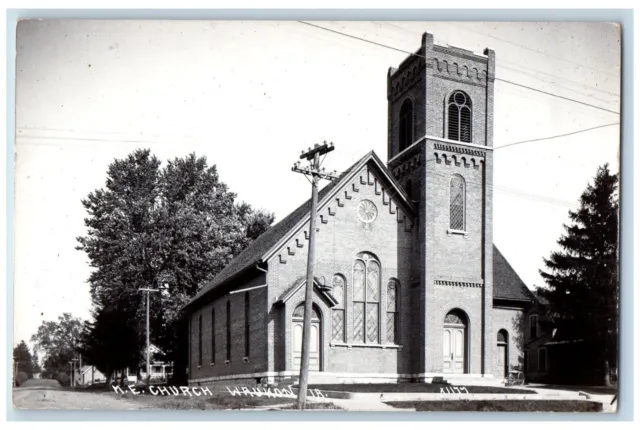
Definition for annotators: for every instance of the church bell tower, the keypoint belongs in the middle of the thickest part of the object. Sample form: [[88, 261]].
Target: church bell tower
[[440, 149]]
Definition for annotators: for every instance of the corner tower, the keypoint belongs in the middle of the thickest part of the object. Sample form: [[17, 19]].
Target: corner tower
[[440, 148]]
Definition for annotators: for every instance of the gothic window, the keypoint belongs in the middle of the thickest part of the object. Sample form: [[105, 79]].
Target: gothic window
[[298, 313], [366, 299], [228, 331], [246, 324], [338, 317], [406, 125], [459, 117], [200, 340], [392, 310], [213, 335], [457, 203]]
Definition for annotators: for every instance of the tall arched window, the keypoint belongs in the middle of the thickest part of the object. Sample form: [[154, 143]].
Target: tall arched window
[[213, 335], [246, 324], [337, 313], [366, 299], [457, 203], [393, 288], [228, 330], [406, 125], [459, 117]]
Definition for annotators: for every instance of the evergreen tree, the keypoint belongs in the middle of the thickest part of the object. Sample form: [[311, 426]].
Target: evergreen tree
[[582, 278], [22, 359]]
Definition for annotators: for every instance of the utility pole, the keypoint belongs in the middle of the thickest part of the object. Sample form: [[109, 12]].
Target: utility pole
[[148, 291], [73, 374], [313, 170]]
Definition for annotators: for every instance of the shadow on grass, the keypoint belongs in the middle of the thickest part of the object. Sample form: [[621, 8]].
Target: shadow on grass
[[417, 388], [501, 406], [204, 403]]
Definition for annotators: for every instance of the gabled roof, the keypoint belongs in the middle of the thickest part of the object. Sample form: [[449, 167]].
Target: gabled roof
[[318, 288], [506, 282], [269, 241]]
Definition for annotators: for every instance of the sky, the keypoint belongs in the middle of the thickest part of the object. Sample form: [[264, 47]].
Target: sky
[[251, 95]]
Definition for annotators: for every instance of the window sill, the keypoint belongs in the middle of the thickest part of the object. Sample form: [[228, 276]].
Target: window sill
[[198, 367], [459, 232], [245, 359], [212, 364], [366, 345], [226, 362]]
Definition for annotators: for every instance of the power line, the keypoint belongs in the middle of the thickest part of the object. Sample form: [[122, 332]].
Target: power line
[[535, 50], [556, 136], [501, 63], [556, 95], [422, 56]]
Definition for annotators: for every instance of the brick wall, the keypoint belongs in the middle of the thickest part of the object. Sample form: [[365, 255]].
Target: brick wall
[[512, 321], [257, 334], [339, 241]]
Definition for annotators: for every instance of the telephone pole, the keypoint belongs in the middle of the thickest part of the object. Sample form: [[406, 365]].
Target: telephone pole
[[149, 291], [316, 173]]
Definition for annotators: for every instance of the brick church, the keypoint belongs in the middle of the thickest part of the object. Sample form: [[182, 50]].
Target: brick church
[[409, 285]]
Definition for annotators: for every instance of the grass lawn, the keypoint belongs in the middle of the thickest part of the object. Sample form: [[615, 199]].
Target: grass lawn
[[501, 406], [415, 388], [218, 401], [591, 390]]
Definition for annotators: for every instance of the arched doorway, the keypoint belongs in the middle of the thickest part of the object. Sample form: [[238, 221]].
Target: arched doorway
[[297, 323], [502, 354], [454, 342]]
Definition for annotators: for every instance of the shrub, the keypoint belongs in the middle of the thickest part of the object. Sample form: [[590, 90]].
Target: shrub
[[63, 378], [21, 377]]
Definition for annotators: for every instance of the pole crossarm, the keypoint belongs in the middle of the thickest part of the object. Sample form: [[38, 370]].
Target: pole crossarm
[[310, 153]]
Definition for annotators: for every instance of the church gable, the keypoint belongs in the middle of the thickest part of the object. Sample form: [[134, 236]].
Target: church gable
[[289, 236], [359, 201]]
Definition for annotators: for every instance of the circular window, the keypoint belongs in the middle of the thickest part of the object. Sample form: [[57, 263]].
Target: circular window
[[367, 211]]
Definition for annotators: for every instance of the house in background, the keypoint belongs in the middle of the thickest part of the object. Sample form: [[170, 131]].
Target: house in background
[[554, 356]]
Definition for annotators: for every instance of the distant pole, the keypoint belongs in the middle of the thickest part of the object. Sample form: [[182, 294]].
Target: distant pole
[[313, 170], [148, 291]]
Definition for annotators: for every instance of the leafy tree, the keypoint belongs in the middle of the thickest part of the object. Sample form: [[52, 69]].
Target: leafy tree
[[23, 360], [178, 225], [35, 362], [582, 278], [57, 340]]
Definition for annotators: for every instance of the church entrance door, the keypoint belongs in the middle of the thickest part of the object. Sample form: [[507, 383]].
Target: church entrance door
[[454, 343], [296, 338]]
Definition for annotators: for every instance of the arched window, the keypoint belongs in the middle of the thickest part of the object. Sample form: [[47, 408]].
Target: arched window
[[366, 299], [200, 340], [393, 288], [246, 324], [213, 335], [457, 203], [337, 313], [459, 117], [228, 330], [406, 125]]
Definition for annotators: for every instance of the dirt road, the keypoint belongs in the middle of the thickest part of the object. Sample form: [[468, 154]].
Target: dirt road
[[48, 394]]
